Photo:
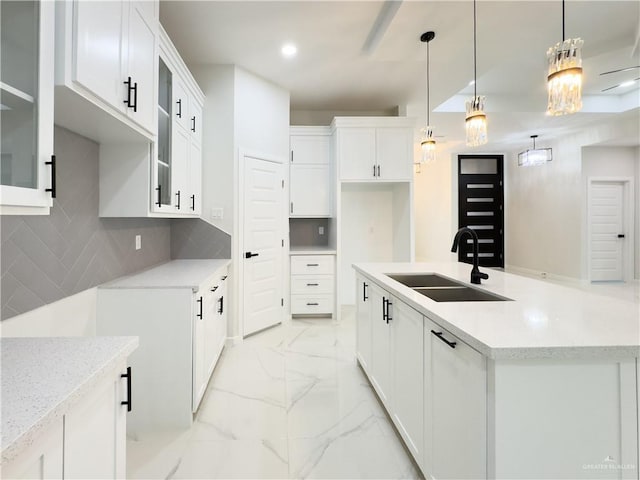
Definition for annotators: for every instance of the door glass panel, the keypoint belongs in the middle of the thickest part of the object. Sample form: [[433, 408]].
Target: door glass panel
[[164, 133], [18, 93], [474, 166]]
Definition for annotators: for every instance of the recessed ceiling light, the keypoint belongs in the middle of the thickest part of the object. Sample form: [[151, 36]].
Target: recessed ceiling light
[[289, 50]]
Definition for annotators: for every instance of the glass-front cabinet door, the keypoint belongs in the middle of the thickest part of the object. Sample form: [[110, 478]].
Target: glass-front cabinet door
[[27, 165], [163, 198]]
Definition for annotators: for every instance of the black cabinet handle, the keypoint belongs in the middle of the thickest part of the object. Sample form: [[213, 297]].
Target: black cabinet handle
[[621, 235], [291, 208], [193, 202], [439, 335], [178, 204], [213, 289], [135, 97], [193, 124], [249, 254], [378, 171], [389, 303], [312, 284], [179, 102], [374, 170], [291, 156], [127, 402], [199, 315], [127, 82], [53, 176], [221, 309], [384, 309], [225, 277], [364, 292], [312, 304], [159, 190]]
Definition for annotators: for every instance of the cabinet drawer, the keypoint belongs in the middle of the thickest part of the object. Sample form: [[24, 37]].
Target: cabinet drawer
[[312, 264], [311, 285], [311, 304]]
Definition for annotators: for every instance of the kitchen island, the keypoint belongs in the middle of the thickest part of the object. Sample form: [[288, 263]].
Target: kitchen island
[[540, 383]]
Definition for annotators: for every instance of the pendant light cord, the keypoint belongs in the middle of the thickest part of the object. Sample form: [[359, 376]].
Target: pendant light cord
[[563, 37], [475, 93], [427, 83]]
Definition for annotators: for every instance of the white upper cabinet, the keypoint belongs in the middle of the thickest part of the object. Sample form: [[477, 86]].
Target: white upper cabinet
[[310, 182], [106, 57], [374, 148], [27, 168]]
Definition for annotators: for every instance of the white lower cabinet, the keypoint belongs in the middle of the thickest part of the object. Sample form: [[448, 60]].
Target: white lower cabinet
[[455, 407], [89, 441], [312, 284], [463, 415], [95, 432], [182, 332]]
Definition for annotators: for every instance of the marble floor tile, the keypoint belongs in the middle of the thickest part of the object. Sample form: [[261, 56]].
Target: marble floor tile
[[288, 402]]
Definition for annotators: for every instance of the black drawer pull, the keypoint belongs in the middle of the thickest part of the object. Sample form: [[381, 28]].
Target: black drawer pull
[[53, 176], [439, 335], [127, 402], [312, 303], [313, 264], [312, 284], [199, 315]]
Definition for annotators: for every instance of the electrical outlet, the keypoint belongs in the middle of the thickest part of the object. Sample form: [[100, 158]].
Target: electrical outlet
[[138, 242], [321, 230]]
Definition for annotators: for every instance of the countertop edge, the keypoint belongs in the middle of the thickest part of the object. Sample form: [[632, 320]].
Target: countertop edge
[[31, 434], [551, 352]]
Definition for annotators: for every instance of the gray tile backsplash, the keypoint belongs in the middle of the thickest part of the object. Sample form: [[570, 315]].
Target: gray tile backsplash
[[47, 258], [195, 238]]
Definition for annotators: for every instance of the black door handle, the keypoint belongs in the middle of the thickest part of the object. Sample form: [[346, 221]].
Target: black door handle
[[199, 315], [439, 335], [53, 176], [621, 235], [249, 254], [127, 402]]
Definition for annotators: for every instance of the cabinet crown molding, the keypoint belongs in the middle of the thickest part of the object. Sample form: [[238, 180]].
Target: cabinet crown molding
[[372, 122]]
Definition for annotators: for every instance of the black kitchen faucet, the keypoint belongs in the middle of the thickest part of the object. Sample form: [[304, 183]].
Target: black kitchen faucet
[[476, 275]]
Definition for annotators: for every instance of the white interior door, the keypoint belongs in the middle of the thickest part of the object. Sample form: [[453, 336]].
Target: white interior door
[[606, 224], [262, 239]]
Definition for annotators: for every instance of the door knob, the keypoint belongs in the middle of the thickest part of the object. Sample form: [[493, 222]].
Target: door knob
[[249, 254]]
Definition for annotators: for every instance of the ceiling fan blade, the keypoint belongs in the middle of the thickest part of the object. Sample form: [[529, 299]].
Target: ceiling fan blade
[[621, 70]]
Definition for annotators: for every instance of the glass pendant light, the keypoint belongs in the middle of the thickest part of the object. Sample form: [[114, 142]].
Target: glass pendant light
[[476, 119], [534, 156], [428, 143], [564, 78]]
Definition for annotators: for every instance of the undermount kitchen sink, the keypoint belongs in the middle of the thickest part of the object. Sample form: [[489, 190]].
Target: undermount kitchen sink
[[443, 289]]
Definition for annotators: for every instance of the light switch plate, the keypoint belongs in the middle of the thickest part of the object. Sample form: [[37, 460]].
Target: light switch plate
[[138, 242], [216, 212]]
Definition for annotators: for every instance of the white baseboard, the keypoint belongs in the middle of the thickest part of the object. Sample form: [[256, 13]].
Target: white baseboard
[[73, 316], [540, 275]]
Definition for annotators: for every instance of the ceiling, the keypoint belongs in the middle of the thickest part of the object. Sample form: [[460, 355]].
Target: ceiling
[[334, 71]]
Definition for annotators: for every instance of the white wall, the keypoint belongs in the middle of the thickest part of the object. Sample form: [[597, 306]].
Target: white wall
[[217, 83], [611, 162], [324, 117]]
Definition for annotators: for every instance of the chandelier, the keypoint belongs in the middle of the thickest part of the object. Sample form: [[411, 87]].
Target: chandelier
[[534, 156], [476, 119], [428, 143], [564, 77]]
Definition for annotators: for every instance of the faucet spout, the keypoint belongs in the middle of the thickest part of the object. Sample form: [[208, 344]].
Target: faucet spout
[[476, 274]]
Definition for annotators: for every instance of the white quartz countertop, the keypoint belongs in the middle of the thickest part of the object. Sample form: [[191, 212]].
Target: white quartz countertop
[[174, 274], [544, 320], [42, 378], [312, 251]]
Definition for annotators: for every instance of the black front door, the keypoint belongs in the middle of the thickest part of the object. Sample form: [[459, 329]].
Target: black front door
[[480, 207]]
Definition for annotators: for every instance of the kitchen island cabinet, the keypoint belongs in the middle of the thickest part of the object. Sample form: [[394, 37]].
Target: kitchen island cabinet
[[510, 387], [178, 310], [64, 406]]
